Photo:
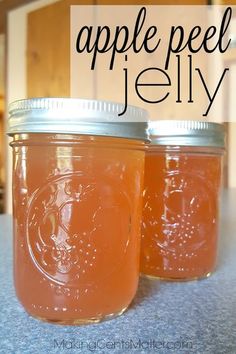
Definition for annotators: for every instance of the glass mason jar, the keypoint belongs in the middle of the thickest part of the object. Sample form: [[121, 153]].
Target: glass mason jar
[[77, 187], [182, 182]]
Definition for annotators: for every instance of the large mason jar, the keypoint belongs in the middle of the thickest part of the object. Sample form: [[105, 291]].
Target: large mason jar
[[77, 189]]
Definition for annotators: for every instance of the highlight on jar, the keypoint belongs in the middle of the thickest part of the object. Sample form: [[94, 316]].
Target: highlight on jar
[[180, 224], [77, 203]]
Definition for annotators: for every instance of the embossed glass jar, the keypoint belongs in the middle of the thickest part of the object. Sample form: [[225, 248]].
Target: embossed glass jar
[[181, 199], [77, 181]]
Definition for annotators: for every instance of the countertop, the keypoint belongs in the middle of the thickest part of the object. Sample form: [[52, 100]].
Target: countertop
[[190, 317]]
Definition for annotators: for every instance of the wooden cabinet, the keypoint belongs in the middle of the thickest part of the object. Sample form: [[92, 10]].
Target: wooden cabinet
[[48, 50], [48, 46]]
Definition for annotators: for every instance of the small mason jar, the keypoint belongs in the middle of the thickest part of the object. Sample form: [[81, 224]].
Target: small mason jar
[[77, 193], [182, 182]]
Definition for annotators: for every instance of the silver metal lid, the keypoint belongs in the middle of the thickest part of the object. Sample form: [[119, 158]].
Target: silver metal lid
[[77, 116], [186, 133]]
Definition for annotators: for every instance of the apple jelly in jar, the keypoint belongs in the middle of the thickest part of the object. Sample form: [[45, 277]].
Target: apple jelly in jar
[[181, 199], [77, 192]]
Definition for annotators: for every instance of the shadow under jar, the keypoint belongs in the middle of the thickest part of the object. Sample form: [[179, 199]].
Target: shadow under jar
[[77, 186], [182, 182]]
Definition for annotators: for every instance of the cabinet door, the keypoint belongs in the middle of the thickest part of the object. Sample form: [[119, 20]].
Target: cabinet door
[[48, 49]]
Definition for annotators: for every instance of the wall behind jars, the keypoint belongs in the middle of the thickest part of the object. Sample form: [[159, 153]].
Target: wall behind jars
[[17, 34], [2, 137], [39, 60]]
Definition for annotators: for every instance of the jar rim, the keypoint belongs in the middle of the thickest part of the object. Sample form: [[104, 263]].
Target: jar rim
[[77, 116], [187, 133]]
